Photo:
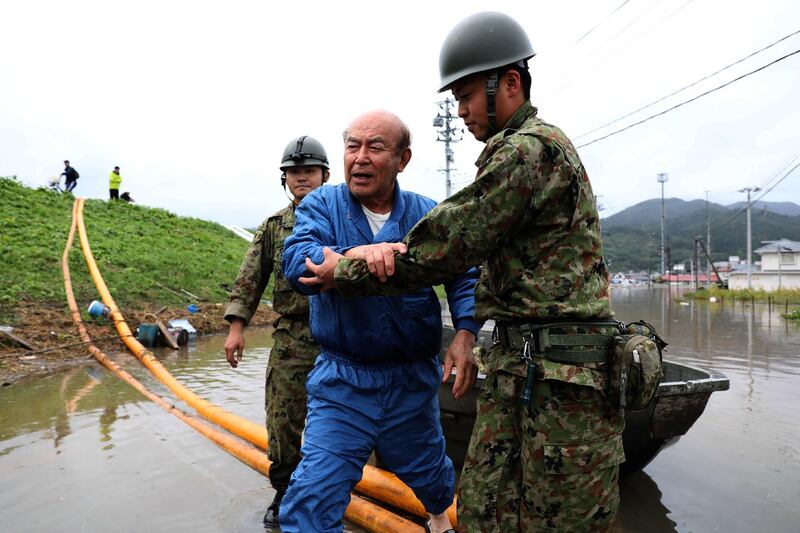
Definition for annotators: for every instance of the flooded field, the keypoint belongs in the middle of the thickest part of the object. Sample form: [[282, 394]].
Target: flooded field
[[82, 451]]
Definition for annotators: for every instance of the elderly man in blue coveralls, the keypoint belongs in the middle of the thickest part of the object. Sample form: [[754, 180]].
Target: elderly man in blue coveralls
[[374, 385]]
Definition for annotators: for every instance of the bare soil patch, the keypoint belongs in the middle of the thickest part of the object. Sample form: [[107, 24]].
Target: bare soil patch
[[49, 329]]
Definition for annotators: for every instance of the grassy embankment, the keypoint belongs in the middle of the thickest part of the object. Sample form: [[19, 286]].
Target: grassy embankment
[[783, 297], [143, 253], [146, 257]]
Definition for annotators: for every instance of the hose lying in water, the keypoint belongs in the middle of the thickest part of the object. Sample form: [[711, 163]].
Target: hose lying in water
[[360, 511], [375, 483]]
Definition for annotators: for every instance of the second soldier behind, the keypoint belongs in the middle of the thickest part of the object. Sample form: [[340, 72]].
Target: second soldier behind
[[305, 167]]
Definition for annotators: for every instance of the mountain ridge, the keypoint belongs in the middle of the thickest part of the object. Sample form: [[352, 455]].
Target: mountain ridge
[[632, 237]]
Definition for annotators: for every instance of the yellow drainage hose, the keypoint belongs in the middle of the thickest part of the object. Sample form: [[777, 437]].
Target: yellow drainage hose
[[360, 511], [237, 425], [375, 483]]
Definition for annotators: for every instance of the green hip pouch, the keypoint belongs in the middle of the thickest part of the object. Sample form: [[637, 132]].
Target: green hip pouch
[[635, 367], [631, 355]]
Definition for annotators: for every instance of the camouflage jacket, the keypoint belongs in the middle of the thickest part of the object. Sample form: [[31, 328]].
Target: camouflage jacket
[[529, 218], [263, 258]]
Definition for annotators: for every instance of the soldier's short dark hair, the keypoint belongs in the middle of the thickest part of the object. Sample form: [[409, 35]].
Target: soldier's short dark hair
[[524, 75]]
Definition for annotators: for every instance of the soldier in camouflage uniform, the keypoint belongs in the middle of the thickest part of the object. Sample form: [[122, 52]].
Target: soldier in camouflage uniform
[[549, 462], [305, 167]]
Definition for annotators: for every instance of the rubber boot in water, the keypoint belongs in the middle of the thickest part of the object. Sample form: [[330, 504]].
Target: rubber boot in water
[[271, 516]]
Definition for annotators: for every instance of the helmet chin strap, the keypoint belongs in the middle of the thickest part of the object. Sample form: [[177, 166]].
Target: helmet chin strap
[[286, 192], [492, 82]]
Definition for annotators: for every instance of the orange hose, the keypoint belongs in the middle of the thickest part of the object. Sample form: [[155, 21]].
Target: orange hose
[[237, 425], [359, 511], [375, 483]]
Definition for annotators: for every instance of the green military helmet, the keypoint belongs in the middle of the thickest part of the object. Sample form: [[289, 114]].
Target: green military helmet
[[304, 151], [481, 42]]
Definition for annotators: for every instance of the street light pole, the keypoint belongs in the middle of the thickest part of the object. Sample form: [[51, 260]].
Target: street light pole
[[708, 243], [662, 178]]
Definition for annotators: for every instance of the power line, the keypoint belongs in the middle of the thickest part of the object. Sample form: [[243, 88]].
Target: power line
[[781, 169], [690, 85], [778, 182], [676, 106], [601, 22], [648, 31], [741, 206], [744, 210], [631, 23]]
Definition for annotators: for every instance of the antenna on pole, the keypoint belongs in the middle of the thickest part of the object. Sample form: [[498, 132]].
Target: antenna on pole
[[447, 134]]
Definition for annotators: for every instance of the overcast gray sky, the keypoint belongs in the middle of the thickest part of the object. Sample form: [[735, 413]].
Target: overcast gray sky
[[196, 100]]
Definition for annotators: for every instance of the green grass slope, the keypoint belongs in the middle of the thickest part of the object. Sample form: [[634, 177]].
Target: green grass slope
[[143, 253]]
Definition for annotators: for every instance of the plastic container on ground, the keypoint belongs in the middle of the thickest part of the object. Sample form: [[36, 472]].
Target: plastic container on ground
[[148, 334], [98, 309], [184, 324]]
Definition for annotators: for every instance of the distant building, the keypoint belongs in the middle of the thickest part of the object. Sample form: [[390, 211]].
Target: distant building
[[688, 278], [780, 268]]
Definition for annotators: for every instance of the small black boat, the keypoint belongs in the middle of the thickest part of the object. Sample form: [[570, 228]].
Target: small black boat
[[681, 399]]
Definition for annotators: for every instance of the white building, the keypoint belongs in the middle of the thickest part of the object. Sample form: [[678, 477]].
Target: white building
[[780, 268]]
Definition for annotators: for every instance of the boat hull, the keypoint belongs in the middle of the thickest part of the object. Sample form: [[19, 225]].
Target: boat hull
[[681, 399]]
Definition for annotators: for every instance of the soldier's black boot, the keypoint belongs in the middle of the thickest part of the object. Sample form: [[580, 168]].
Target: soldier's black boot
[[271, 516]]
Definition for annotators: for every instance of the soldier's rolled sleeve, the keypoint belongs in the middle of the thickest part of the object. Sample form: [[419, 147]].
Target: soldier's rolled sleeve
[[459, 233], [236, 310]]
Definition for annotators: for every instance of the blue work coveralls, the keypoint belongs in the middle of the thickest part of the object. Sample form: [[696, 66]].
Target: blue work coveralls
[[375, 382]]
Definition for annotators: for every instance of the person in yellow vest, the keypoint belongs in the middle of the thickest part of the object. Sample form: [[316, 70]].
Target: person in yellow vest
[[114, 179]]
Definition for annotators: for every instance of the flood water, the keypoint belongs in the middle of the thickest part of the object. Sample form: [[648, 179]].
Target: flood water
[[82, 451]]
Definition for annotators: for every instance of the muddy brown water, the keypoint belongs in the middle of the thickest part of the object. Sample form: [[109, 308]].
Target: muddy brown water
[[82, 451]]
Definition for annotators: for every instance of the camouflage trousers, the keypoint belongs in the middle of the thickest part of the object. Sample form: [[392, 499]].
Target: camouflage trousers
[[550, 466], [290, 361]]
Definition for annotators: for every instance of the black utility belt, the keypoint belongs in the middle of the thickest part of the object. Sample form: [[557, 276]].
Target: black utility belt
[[537, 339]]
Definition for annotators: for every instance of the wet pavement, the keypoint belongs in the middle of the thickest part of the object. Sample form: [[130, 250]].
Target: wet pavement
[[82, 451]]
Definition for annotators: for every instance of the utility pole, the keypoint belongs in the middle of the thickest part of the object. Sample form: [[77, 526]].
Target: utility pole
[[662, 178], [708, 243], [693, 270], [443, 119], [749, 190]]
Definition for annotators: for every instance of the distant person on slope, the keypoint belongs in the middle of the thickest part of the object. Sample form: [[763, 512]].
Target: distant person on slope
[[114, 179], [126, 196], [71, 177], [305, 168]]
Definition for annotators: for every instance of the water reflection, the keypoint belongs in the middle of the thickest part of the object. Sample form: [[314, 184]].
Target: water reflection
[[738, 468], [77, 445], [642, 508]]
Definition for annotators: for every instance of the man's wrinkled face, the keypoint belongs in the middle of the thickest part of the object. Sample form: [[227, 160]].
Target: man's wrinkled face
[[371, 157], [302, 180], [470, 93]]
